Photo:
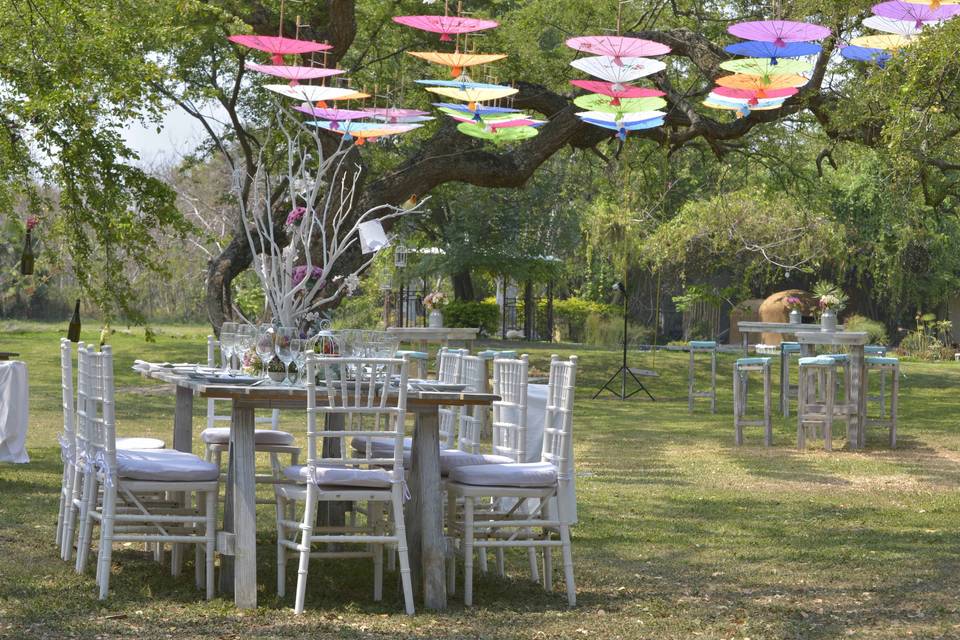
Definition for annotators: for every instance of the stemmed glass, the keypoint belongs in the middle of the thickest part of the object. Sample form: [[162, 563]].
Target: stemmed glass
[[299, 348], [264, 345], [228, 344], [283, 337], [246, 337]]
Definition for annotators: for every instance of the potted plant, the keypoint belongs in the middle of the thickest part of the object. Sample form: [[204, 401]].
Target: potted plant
[[795, 305], [435, 302], [830, 301]]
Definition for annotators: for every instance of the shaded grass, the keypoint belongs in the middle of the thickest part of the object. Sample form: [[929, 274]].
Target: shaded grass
[[681, 534]]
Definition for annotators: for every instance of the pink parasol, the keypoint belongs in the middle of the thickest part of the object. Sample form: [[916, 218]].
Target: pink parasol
[[278, 46], [293, 73], [917, 13], [618, 47], [779, 32], [751, 96], [617, 91], [393, 114], [445, 25], [332, 114]]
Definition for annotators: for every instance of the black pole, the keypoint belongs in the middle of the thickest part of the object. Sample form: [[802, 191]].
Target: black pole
[[623, 381]]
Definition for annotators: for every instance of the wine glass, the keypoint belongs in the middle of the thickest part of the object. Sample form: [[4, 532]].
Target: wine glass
[[228, 344], [283, 337], [264, 346], [246, 338], [298, 346]]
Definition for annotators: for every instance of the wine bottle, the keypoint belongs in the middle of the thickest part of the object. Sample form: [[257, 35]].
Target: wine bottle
[[26, 258], [73, 332]]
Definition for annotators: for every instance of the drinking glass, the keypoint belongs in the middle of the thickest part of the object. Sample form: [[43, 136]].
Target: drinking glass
[[283, 337], [298, 346], [246, 338], [228, 344], [264, 346]]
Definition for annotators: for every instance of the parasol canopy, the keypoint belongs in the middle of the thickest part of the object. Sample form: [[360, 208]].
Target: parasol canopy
[[759, 49], [473, 95], [479, 110], [763, 66], [917, 13], [717, 101], [934, 4], [293, 73], [760, 84], [445, 25], [501, 122], [779, 32], [457, 61], [750, 95], [364, 130], [623, 128], [889, 25], [395, 114], [866, 54], [314, 93], [618, 47], [605, 68], [617, 91], [885, 41], [333, 114], [596, 102], [624, 119], [505, 134], [278, 46]]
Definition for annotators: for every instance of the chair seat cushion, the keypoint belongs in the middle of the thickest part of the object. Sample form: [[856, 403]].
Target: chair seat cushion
[[703, 344], [881, 360], [381, 447], [744, 362], [512, 474], [221, 435], [164, 466], [817, 361], [451, 459], [140, 443], [340, 476]]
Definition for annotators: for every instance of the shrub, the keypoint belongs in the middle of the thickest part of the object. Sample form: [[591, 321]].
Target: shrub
[[572, 314], [876, 332], [461, 313], [604, 331]]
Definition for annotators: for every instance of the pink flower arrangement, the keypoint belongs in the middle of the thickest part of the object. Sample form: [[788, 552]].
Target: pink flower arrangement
[[32, 221], [300, 272], [296, 214], [794, 303], [435, 300]]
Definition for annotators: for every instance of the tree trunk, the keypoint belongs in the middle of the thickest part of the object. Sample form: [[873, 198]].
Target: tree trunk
[[463, 286], [234, 259], [529, 310]]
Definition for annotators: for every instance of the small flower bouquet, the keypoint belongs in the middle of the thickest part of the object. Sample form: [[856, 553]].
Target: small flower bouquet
[[794, 303], [435, 301]]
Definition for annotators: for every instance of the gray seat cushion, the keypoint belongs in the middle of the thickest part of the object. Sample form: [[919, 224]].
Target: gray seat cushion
[[381, 447], [513, 474], [164, 466], [451, 459], [140, 443], [341, 476], [221, 435]]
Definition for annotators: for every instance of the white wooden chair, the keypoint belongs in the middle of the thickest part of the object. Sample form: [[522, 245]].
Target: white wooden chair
[[510, 376], [216, 439], [547, 482], [344, 474], [70, 488], [125, 476], [449, 363]]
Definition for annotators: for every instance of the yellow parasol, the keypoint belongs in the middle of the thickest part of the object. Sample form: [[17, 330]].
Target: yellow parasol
[[457, 61], [474, 95], [885, 41]]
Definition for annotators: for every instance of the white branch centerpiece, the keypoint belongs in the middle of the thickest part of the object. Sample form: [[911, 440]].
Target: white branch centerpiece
[[300, 221]]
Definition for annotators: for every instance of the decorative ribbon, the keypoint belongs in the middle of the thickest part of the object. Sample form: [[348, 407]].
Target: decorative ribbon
[[67, 449], [103, 464]]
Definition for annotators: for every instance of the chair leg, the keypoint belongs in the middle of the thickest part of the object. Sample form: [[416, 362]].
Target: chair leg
[[281, 549], [713, 382], [451, 561], [567, 553], [548, 551], [690, 385], [801, 410], [894, 399], [767, 418], [375, 512], [211, 531], [400, 532], [468, 551], [534, 564], [306, 530], [828, 410], [198, 556], [106, 539], [86, 522], [737, 427], [70, 517], [62, 508]]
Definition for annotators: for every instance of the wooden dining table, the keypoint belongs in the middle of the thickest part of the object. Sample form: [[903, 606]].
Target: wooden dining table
[[6, 355], [236, 542]]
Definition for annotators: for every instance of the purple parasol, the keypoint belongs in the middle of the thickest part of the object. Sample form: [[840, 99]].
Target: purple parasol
[[779, 32], [917, 13]]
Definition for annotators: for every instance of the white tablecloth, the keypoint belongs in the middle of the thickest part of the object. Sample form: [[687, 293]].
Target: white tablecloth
[[536, 414], [14, 411]]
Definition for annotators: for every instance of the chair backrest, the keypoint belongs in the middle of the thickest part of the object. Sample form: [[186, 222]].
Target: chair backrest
[[213, 347], [96, 431], [472, 374], [358, 391], [67, 437], [448, 365], [510, 412], [558, 419]]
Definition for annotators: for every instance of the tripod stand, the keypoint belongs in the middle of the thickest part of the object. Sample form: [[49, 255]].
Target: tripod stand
[[624, 370]]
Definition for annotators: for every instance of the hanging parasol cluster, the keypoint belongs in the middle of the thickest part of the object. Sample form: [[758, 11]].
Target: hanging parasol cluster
[[773, 69], [476, 116], [614, 103], [899, 23]]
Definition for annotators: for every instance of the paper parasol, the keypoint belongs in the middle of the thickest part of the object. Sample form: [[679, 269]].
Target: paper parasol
[[473, 95], [761, 105], [445, 25], [314, 93], [618, 47], [758, 49], [364, 130], [934, 4], [395, 114], [779, 32], [616, 91], [457, 61], [625, 119], [622, 128], [293, 73], [866, 54], [479, 110], [603, 67], [760, 84], [886, 41], [596, 102], [917, 13], [742, 110], [278, 46], [507, 134], [750, 95], [889, 25], [333, 115], [497, 122], [762, 67]]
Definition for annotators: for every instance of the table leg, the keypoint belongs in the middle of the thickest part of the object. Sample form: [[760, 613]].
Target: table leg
[[183, 420], [784, 383], [425, 512], [240, 514], [858, 386]]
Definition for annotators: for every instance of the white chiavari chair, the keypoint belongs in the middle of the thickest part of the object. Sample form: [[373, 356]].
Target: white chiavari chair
[[350, 407], [545, 526], [116, 481], [449, 362]]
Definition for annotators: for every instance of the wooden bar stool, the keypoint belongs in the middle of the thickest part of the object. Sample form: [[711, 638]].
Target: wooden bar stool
[[787, 390], [703, 346], [878, 350], [740, 371], [883, 365], [817, 403]]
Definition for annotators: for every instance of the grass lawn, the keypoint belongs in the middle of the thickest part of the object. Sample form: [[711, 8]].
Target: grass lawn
[[681, 534]]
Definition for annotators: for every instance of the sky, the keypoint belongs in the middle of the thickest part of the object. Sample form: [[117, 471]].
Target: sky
[[179, 135]]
